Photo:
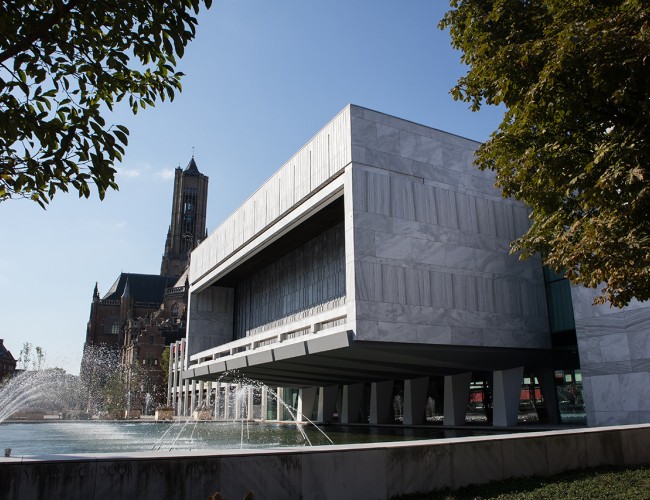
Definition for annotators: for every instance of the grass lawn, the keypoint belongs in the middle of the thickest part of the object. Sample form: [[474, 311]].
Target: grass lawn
[[593, 484]]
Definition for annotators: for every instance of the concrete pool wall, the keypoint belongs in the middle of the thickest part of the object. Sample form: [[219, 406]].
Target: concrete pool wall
[[373, 471]]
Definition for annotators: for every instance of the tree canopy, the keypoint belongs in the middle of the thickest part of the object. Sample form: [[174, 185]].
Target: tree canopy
[[574, 143], [63, 64]]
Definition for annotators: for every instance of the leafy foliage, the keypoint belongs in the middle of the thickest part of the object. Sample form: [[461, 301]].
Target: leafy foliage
[[63, 64], [574, 143]]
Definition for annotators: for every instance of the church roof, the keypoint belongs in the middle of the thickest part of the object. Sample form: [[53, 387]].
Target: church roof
[[4, 352], [142, 287], [191, 167]]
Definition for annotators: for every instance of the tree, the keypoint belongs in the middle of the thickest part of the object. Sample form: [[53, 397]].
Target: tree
[[63, 64], [574, 143], [25, 356]]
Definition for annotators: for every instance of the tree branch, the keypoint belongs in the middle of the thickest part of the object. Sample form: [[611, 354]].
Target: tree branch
[[60, 10]]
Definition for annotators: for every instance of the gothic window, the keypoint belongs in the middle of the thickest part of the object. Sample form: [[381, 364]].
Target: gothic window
[[115, 329], [175, 309]]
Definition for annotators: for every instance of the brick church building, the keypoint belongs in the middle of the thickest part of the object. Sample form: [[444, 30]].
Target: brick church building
[[141, 314]]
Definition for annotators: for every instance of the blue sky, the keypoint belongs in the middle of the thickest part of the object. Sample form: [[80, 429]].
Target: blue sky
[[261, 79]]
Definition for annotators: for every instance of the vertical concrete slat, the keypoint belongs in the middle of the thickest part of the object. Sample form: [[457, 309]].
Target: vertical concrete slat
[[380, 400], [327, 402], [415, 393], [352, 400]]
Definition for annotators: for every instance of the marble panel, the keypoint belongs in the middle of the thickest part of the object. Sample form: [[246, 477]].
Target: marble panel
[[442, 290], [484, 295], [611, 368], [466, 210], [637, 317], [377, 159], [288, 351], [392, 279], [364, 132], [393, 312], [459, 257], [402, 199], [639, 344], [486, 459], [264, 476], [466, 336], [589, 350], [446, 208], [640, 365], [417, 468], [606, 393], [485, 216], [378, 196], [607, 418], [464, 289], [635, 391], [412, 286], [367, 330], [364, 242], [388, 139], [524, 457], [368, 281], [434, 334], [614, 348], [420, 148], [424, 287], [603, 448], [358, 154], [400, 165], [354, 478], [397, 332], [392, 246], [521, 219], [427, 252], [587, 394], [458, 158], [635, 446], [565, 452]]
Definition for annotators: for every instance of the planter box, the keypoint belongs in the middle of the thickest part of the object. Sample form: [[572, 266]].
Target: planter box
[[132, 413], [202, 415], [164, 415]]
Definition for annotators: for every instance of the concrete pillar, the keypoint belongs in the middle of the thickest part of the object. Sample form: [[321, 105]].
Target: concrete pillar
[[306, 398], [352, 401], [279, 396], [186, 397], [327, 402], [506, 391], [546, 378], [456, 397], [237, 401], [415, 398], [217, 395], [228, 410], [200, 394], [264, 403], [249, 402], [194, 397], [380, 401]]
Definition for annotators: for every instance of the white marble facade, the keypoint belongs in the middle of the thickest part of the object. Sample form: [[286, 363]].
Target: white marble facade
[[614, 346], [430, 285]]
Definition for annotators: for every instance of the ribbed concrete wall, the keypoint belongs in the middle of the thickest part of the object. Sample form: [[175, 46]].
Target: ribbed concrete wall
[[326, 472]]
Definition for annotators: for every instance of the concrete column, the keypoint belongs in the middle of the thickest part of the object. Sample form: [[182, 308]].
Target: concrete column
[[237, 402], [249, 402], [170, 376], [506, 392], [352, 401], [264, 405], [201, 396], [327, 402], [546, 378], [415, 398], [456, 397], [306, 398], [186, 397], [217, 396], [279, 395], [380, 401], [193, 398], [227, 403]]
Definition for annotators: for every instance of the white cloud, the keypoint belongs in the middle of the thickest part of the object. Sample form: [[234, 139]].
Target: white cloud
[[165, 174], [120, 225]]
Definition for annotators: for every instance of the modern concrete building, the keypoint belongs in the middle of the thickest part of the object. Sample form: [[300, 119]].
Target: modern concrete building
[[374, 262]]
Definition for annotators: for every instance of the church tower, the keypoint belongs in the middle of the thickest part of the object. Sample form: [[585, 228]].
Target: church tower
[[187, 227]]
